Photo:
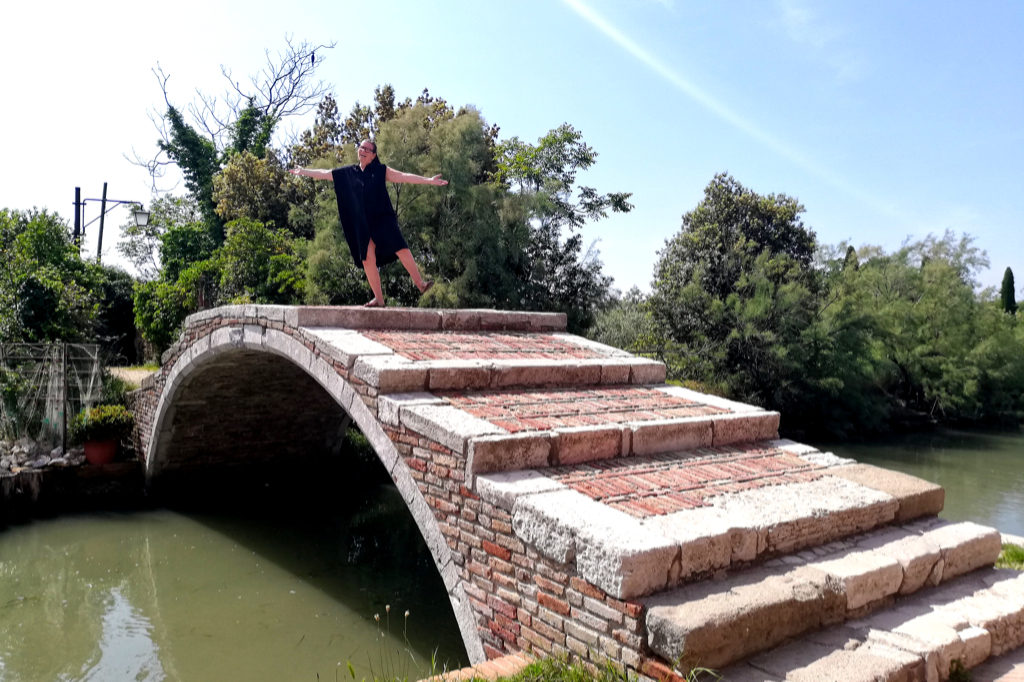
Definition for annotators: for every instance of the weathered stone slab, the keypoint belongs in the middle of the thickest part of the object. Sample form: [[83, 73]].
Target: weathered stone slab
[[389, 406], [709, 539], [457, 375], [865, 576], [538, 373], [592, 345], [503, 488], [916, 497], [390, 374], [358, 317], [744, 427], [965, 547], [586, 444], [718, 623], [514, 452], [864, 664], [643, 372], [446, 425], [801, 515], [668, 435], [917, 556], [345, 345]]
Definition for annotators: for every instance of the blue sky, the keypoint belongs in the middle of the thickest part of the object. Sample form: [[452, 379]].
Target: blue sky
[[886, 120]]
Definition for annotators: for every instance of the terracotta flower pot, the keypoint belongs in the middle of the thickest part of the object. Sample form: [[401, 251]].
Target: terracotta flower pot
[[100, 451]]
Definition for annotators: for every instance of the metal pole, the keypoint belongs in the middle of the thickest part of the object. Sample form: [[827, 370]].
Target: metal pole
[[103, 213], [64, 395], [78, 216]]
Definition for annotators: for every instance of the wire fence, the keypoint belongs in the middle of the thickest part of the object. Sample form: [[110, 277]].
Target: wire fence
[[42, 384]]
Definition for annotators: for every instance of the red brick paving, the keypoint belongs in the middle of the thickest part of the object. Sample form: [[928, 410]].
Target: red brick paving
[[479, 346], [662, 484], [546, 409]]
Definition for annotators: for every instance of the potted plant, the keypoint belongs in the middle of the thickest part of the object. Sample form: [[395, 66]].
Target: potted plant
[[100, 430]]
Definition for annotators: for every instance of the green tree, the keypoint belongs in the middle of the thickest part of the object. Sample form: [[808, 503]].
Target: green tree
[[141, 245], [47, 292], [1007, 294]]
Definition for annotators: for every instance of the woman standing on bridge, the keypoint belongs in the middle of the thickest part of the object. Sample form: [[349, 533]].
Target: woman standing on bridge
[[368, 218]]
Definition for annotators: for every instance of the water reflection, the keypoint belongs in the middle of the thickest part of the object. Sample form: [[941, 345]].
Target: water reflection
[[982, 472], [276, 589], [127, 650]]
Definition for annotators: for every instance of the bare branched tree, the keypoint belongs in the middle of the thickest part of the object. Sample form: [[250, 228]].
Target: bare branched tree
[[286, 86]]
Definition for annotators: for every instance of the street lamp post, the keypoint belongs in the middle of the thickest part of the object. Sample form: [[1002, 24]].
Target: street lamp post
[[140, 216]]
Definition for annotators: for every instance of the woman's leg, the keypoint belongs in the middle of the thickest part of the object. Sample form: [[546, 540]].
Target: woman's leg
[[405, 255], [372, 274]]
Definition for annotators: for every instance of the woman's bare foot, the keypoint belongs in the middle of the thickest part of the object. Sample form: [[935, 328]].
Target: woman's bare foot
[[425, 286], [374, 303]]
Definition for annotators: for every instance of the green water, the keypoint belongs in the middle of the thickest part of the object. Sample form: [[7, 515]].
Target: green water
[[261, 591], [982, 472], [284, 586]]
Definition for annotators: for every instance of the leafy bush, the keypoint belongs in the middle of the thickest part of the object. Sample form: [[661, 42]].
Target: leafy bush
[[106, 422]]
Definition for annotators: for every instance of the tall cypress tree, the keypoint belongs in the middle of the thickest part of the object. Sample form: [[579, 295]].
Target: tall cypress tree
[[1006, 294]]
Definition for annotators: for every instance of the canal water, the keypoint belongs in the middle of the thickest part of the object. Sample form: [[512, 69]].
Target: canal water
[[258, 588], [275, 585]]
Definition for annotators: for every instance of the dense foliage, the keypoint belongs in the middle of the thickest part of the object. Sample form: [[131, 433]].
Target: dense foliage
[[104, 422], [505, 232], [841, 341], [48, 293]]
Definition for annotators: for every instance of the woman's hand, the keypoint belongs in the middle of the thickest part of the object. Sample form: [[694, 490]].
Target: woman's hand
[[436, 180], [295, 171]]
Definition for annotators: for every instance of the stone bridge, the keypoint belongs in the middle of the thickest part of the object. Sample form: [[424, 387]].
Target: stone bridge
[[576, 504]]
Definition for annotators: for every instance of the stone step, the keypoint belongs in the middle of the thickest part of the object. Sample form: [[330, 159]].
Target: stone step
[[403, 361], [634, 526], [970, 619], [510, 430], [716, 623]]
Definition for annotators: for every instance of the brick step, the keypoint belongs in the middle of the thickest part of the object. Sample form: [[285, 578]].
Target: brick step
[[403, 360], [716, 623], [633, 526], [972, 618], [511, 430]]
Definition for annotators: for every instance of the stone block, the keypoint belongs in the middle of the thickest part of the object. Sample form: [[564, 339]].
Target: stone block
[[389, 406], [865, 577], [511, 452], [615, 371], [548, 521], [965, 547], [586, 444], [345, 345], [916, 497], [619, 555], [704, 536], [539, 373], [718, 623], [744, 427], [917, 556], [977, 645], [504, 488], [446, 425], [669, 435], [390, 374], [457, 375], [357, 317], [806, 662], [643, 372]]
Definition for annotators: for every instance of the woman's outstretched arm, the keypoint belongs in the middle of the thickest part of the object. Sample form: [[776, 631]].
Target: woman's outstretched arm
[[397, 176], [315, 173]]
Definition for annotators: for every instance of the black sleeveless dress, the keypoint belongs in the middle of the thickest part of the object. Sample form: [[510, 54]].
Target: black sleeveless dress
[[365, 210]]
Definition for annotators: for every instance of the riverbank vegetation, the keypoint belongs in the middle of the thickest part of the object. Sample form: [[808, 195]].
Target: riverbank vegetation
[[843, 341]]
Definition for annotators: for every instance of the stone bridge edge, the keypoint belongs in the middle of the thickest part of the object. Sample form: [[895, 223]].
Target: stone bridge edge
[[199, 346]]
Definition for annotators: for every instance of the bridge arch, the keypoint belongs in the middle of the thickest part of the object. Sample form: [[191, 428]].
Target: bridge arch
[[199, 373]]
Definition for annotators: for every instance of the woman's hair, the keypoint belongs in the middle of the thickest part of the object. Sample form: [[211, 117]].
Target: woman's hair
[[371, 142]]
